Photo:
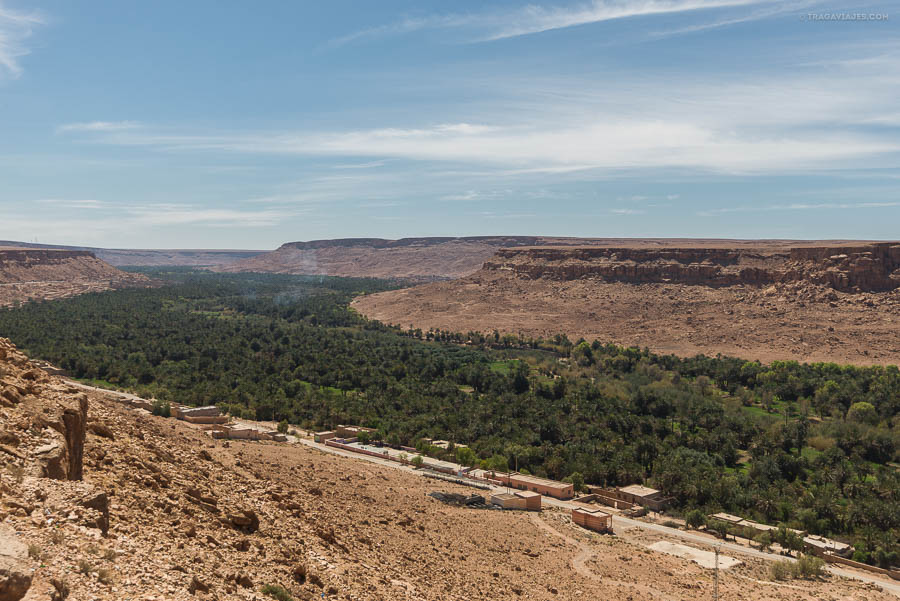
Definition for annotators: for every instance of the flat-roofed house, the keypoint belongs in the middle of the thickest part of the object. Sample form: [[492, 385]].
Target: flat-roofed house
[[520, 499], [820, 544], [551, 488], [345, 431], [325, 435], [592, 519], [643, 495]]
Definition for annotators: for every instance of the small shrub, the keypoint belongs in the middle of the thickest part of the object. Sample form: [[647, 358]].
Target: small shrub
[[821, 443], [161, 408], [806, 566], [105, 576], [780, 570], [277, 592], [810, 566], [85, 567], [109, 555], [92, 549], [283, 426], [57, 537], [34, 551], [671, 524]]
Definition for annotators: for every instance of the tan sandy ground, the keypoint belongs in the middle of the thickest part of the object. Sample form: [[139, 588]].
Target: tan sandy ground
[[786, 322]]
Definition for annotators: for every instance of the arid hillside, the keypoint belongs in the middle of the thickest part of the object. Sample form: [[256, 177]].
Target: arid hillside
[[30, 273], [810, 302], [105, 502]]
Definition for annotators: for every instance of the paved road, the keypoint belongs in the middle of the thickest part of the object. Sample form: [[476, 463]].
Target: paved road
[[619, 521]]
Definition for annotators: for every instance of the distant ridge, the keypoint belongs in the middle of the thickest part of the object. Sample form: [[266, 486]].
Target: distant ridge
[[120, 257], [446, 257]]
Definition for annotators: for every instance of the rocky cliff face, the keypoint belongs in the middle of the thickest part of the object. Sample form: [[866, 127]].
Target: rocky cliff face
[[874, 267]]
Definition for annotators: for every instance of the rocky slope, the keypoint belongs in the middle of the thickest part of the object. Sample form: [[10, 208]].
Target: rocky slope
[[147, 508], [30, 273], [811, 302]]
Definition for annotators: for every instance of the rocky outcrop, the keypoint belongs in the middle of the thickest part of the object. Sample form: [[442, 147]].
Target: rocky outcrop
[[51, 417], [15, 572], [874, 267]]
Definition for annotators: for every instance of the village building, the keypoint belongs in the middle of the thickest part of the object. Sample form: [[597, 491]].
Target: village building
[[346, 431], [325, 435], [637, 494], [592, 519], [551, 488], [520, 499], [200, 415]]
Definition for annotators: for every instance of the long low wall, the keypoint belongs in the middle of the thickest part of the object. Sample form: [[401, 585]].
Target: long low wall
[[829, 558], [605, 499], [346, 447]]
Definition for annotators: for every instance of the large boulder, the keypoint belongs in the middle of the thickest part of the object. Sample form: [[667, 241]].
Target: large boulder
[[64, 426], [15, 574]]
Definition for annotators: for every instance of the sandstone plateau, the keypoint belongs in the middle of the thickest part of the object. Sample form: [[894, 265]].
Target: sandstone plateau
[[772, 300], [100, 501], [46, 274]]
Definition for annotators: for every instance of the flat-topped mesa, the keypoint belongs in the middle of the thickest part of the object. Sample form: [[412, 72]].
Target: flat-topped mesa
[[40, 256], [404, 242], [874, 267]]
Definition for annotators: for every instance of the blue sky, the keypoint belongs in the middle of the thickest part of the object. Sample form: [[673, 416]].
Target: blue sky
[[246, 125]]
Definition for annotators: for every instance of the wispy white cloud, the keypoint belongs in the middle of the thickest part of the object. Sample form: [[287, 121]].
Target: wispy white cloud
[[755, 15], [800, 207], [606, 143], [73, 203], [15, 28], [535, 18], [626, 211], [170, 215], [97, 126], [366, 165], [764, 124]]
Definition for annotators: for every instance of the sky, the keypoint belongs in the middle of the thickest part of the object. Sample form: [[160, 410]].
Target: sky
[[224, 124]]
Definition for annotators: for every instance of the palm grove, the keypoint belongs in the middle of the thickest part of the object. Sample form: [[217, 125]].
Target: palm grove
[[813, 446]]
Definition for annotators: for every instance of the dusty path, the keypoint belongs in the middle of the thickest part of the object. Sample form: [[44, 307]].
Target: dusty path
[[584, 555]]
